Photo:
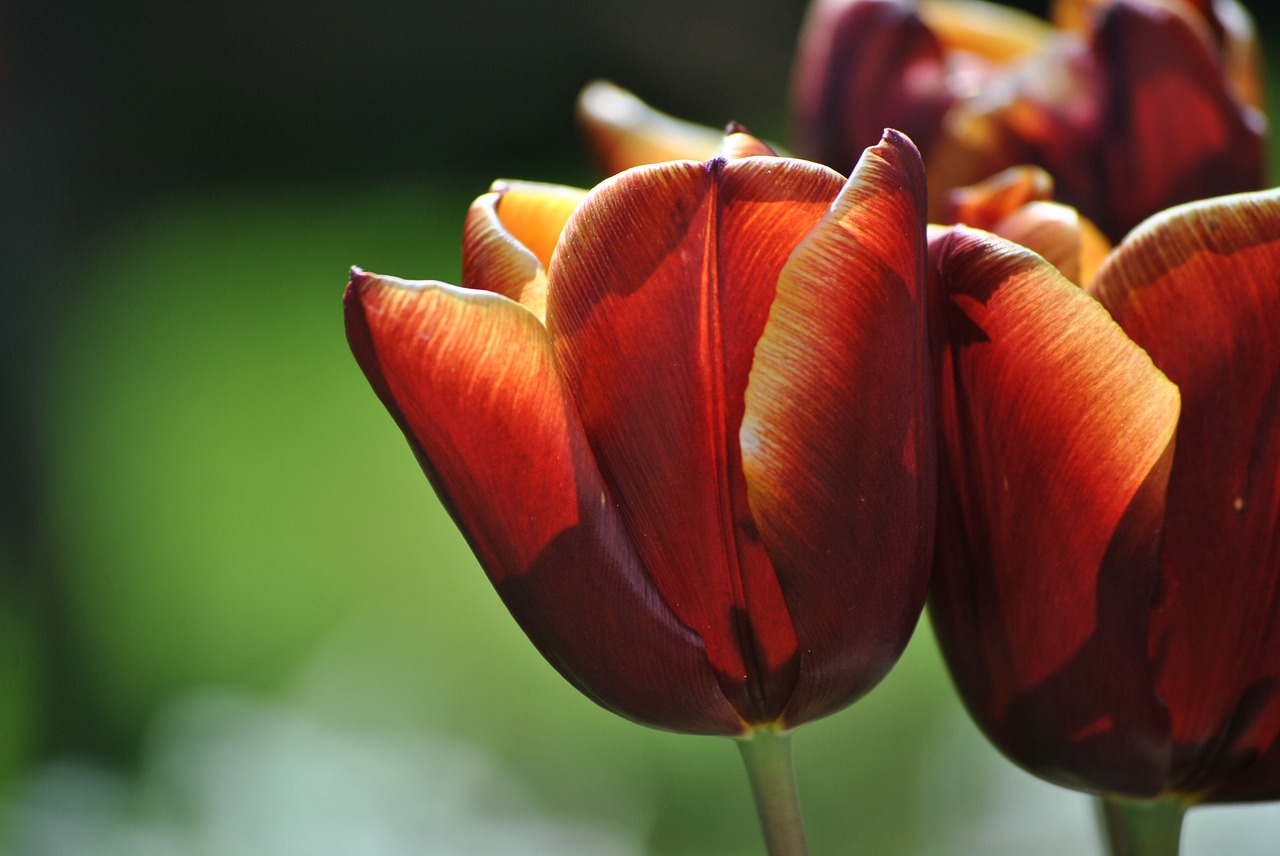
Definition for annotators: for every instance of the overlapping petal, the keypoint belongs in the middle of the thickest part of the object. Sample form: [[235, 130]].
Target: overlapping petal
[[1197, 288], [470, 377], [662, 286], [1057, 434], [838, 433]]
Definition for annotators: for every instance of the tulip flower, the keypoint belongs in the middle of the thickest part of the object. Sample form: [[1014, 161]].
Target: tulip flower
[[1108, 557], [1131, 105], [684, 421]]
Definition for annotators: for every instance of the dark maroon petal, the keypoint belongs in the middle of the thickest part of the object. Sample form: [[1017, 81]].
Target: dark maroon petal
[[1056, 436], [659, 291], [1171, 129], [470, 378], [862, 66], [838, 437], [1198, 288]]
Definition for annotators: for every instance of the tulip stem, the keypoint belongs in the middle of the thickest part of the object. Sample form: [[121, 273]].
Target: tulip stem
[[1133, 828], [767, 754]]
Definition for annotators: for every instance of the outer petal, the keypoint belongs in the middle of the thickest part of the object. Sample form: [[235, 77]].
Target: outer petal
[[509, 237], [623, 131], [471, 380], [1172, 131], [1198, 287], [660, 290], [862, 66], [1057, 432], [837, 440]]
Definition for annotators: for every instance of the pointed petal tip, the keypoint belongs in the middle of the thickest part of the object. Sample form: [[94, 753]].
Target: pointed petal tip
[[735, 127], [357, 283], [895, 138]]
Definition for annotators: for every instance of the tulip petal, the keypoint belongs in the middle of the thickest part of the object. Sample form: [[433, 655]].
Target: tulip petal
[[1057, 433], [661, 287], [1197, 287], [1230, 25], [623, 131], [862, 66], [470, 378], [1013, 204], [1172, 131], [1058, 233], [986, 203], [738, 143], [987, 30], [838, 441], [509, 237]]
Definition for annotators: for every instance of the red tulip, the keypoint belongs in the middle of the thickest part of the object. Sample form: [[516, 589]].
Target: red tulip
[[683, 421], [1133, 106], [1108, 565]]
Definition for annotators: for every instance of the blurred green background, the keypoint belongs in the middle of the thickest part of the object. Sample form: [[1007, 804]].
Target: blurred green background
[[233, 617]]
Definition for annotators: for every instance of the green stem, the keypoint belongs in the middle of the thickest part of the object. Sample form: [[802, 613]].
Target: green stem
[[767, 754], [1132, 828]]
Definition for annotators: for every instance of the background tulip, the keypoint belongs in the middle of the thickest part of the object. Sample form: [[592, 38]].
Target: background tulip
[[684, 425], [1105, 585], [1133, 106]]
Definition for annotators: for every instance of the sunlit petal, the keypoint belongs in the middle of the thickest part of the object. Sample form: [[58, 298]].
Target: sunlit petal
[[509, 237], [1057, 436], [838, 440], [470, 378], [987, 30], [662, 285]]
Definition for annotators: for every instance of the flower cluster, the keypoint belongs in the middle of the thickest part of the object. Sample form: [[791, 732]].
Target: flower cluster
[[715, 427]]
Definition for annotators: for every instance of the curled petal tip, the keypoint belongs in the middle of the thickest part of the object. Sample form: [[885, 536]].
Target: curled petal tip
[[899, 141], [735, 127], [889, 135], [355, 273]]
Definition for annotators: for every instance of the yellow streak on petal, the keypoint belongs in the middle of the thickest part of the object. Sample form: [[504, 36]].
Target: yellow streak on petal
[[995, 33], [535, 213]]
